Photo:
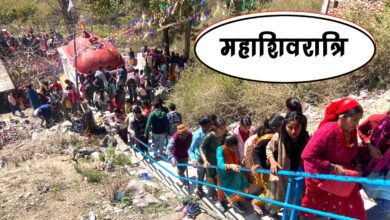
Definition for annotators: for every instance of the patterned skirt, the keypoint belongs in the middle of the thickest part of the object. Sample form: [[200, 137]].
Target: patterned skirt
[[318, 199]]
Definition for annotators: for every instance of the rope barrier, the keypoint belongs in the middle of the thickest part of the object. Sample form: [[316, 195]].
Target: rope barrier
[[152, 149], [286, 205], [379, 182], [314, 176]]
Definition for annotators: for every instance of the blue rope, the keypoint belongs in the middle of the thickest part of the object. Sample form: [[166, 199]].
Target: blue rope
[[303, 209], [378, 182], [152, 149]]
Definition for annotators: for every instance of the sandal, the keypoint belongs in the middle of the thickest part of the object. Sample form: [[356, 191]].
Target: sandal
[[258, 210], [180, 208]]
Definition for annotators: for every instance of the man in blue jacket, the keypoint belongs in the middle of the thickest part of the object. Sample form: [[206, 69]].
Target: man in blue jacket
[[44, 112], [205, 124]]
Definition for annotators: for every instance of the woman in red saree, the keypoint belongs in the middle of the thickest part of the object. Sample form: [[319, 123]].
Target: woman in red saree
[[369, 151], [333, 150]]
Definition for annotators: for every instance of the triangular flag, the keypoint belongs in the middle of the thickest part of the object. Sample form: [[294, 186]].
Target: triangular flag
[[70, 6]]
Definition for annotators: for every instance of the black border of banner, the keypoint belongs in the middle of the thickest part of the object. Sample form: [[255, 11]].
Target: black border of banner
[[282, 15]]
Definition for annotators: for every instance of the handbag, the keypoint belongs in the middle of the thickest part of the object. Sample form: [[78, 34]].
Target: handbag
[[342, 189]]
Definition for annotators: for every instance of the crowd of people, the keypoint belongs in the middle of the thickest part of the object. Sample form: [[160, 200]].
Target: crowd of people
[[31, 41], [30, 56], [283, 142], [115, 90]]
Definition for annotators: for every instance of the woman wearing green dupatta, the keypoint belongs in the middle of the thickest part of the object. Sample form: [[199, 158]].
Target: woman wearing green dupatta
[[229, 175]]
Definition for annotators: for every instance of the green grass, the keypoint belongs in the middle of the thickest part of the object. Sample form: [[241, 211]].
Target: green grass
[[94, 142], [202, 91], [126, 201], [93, 176], [54, 191], [295, 5], [64, 142], [225, 96], [189, 199], [116, 159], [161, 207], [76, 142]]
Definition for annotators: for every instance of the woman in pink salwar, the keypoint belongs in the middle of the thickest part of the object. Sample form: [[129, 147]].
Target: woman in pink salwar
[[333, 150]]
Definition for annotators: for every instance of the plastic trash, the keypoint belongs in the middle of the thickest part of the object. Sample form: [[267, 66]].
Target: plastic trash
[[92, 216], [193, 209], [144, 175]]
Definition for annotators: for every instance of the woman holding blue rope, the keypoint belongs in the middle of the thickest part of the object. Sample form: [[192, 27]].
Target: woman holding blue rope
[[256, 157], [208, 150], [333, 149], [229, 175], [284, 152]]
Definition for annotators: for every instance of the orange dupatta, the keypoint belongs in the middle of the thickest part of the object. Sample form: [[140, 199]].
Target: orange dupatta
[[230, 157]]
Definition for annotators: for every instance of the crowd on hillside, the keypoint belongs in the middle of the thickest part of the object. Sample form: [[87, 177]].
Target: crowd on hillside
[[31, 41], [116, 91], [282, 142], [30, 56]]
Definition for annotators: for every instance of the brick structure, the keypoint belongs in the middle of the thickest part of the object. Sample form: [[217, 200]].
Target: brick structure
[[340, 7]]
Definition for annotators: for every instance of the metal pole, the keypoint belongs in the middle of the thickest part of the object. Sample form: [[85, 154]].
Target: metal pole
[[188, 182], [75, 58], [75, 53]]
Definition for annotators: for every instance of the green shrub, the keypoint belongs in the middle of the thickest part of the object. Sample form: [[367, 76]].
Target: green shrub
[[75, 142], [201, 91], [374, 75], [189, 199], [294, 5], [121, 160], [93, 176], [116, 159], [126, 201]]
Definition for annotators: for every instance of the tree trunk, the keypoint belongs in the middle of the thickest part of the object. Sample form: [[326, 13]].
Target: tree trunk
[[166, 40], [187, 39], [66, 15]]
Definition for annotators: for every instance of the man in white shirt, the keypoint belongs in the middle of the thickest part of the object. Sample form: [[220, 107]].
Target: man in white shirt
[[100, 74]]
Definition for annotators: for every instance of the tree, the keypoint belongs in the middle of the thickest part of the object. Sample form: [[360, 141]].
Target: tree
[[169, 12], [189, 8], [69, 21]]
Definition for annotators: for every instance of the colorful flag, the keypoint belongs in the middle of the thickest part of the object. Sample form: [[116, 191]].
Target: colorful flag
[[206, 15], [134, 23]]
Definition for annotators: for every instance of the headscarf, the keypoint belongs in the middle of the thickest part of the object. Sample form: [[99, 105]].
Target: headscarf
[[336, 108]]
